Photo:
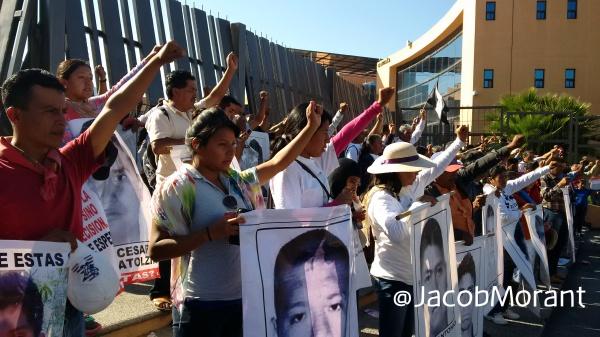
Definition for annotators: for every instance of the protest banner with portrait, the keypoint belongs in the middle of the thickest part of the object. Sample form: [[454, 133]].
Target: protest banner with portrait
[[493, 248], [470, 272], [297, 273], [535, 221], [569, 215], [434, 269], [33, 287], [115, 195]]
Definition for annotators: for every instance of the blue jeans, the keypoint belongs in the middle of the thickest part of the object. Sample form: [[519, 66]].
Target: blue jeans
[[558, 221], [208, 319], [394, 320], [74, 325]]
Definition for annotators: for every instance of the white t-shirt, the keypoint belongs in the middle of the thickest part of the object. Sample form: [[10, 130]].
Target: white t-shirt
[[295, 188], [353, 151], [160, 126]]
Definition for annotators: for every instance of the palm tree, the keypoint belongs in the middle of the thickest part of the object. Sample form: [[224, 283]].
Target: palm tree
[[548, 119]]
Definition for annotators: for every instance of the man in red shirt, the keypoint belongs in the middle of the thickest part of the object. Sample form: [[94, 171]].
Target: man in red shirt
[[40, 198]]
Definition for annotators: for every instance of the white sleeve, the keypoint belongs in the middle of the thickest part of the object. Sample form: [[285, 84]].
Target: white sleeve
[[158, 125], [515, 185], [352, 153], [416, 135], [426, 177], [328, 160], [201, 104], [335, 122], [286, 188], [383, 208]]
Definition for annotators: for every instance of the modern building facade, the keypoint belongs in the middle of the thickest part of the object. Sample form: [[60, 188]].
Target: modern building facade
[[481, 50]]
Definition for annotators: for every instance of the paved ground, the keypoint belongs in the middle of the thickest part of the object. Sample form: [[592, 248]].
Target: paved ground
[[559, 322], [580, 322]]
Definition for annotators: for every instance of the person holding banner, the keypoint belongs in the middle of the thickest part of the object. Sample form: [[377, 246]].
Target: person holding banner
[[554, 211], [38, 175], [510, 213], [305, 182], [196, 217], [400, 177]]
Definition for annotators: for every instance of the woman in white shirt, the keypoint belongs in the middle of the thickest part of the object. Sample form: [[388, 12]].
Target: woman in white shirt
[[400, 176], [304, 183]]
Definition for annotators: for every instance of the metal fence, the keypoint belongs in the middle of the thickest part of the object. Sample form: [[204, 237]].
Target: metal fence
[[118, 33], [478, 118]]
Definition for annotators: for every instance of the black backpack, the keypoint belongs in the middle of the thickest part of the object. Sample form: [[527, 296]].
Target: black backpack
[[149, 159]]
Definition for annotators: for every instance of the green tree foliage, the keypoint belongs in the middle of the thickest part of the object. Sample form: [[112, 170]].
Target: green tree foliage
[[544, 119]]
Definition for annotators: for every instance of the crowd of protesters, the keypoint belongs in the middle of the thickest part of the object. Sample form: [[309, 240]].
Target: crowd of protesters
[[315, 161]]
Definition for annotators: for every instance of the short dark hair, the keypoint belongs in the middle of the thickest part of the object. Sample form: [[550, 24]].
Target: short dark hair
[[16, 90], [512, 161], [317, 243], [431, 236], [18, 288], [177, 79], [207, 123], [496, 171], [467, 266], [227, 100]]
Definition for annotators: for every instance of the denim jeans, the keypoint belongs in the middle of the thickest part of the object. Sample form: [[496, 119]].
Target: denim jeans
[[558, 221], [74, 324], [208, 319], [394, 320], [162, 285]]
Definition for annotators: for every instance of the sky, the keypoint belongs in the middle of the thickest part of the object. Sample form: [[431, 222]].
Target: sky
[[363, 28]]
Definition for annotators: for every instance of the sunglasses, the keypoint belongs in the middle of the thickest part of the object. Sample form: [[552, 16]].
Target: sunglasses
[[230, 202]]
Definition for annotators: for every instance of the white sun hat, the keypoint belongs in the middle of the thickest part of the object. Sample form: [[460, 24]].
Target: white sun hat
[[400, 157]]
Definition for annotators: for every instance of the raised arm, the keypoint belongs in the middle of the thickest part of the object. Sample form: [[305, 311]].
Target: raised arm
[[378, 127], [426, 177], [262, 110], [293, 149], [337, 119], [418, 130], [515, 185], [127, 97], [98, 101], [488, 161], [354, 127], [220, 90]]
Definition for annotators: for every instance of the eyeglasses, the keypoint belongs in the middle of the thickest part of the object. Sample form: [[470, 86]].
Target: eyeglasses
[[230, 202]]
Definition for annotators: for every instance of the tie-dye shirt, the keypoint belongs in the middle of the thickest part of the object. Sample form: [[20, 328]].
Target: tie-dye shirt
[[187, 202]]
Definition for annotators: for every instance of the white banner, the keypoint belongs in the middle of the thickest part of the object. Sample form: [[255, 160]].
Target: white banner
[[493, 247], [516, 254], [535, 220], [33, 287], [121, 202], [470, 276], [297, 273], [569, 214], [434, 270]]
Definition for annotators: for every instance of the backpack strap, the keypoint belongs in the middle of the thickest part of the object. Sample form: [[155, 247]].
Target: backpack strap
[[315, 176]]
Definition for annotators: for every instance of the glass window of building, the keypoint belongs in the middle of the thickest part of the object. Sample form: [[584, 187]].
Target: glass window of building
[[540, 10], [488, 78], [490, 10], [539, 78], [442, 65], [571, 9], [570, 78]]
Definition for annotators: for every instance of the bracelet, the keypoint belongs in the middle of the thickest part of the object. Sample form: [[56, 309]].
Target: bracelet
[[208, 234], [102, 79]]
